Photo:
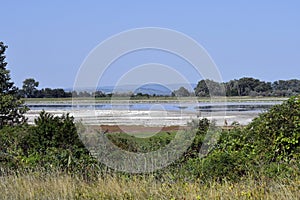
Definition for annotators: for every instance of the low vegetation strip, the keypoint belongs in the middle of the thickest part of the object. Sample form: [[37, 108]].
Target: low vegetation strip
[[138, 129]]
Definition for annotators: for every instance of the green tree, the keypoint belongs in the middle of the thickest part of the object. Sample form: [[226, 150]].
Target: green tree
[[201, 89], [29, 87], [246, 85], [12, 108], [181, 92], [53, 131], [232, 88], [209, 88], [263, 87]]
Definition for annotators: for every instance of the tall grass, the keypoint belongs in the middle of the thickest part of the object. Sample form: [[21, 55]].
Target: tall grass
[[39, 185]]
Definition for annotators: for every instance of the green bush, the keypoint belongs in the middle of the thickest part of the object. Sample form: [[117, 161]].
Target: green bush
[[11, 145], [51, 144], [221, 165], [268, 146], [53, 131], [279, 130], [201, 127]]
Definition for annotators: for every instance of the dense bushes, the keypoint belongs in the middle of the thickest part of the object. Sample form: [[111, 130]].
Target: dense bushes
[[279, 129], [274, 136], [53, 143], [11, 152], [53, 131], [268, 147]]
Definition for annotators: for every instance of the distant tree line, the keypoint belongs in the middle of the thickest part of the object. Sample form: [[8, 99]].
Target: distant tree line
[[29, 90], [245, 86], [248, 86]]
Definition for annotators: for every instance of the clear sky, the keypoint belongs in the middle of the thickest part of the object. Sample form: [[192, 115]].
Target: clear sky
[[48, 40]]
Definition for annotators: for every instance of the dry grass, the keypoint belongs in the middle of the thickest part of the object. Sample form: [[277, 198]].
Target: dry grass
[[63, 186]]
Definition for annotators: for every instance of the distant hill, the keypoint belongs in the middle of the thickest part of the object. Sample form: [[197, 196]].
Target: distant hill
[[150, 89], [153, 89]]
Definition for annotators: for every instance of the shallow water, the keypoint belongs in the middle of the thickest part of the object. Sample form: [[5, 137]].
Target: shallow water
[[154, 114], [203, 107]]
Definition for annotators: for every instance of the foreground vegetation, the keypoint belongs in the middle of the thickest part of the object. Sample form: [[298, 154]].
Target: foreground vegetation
[[262, 160], [65, 186]]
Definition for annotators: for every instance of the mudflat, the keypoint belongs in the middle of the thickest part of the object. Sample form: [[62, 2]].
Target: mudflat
[[147, 118]]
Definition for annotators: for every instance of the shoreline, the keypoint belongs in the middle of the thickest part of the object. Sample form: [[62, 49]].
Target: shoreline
[[148, 118], [85, 111]]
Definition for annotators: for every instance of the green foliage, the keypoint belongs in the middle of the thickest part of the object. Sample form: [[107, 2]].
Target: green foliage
[[181, 92], [53, 143], [208, 87], [29, 87], [268, 147], [141, 145], [54, 131], [11, 149], [279, 130], [286, 87], [201, 127], [221, 165], [12, 109], [248, 86], [52, 93]]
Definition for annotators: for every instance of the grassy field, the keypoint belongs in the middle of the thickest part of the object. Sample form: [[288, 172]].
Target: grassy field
[[65, 186]]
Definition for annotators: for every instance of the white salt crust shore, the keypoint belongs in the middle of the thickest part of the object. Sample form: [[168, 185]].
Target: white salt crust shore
[[146, 118]]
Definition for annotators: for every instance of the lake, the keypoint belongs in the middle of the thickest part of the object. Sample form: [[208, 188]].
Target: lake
[[153, 114], [203, 107]]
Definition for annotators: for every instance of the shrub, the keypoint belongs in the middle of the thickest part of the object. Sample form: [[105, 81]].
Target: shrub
[[278, 131], [11, 145], [53, 143], [53, 132], [269, 145]]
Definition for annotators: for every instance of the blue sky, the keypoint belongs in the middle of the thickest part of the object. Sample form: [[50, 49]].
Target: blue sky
[[48, 40]]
